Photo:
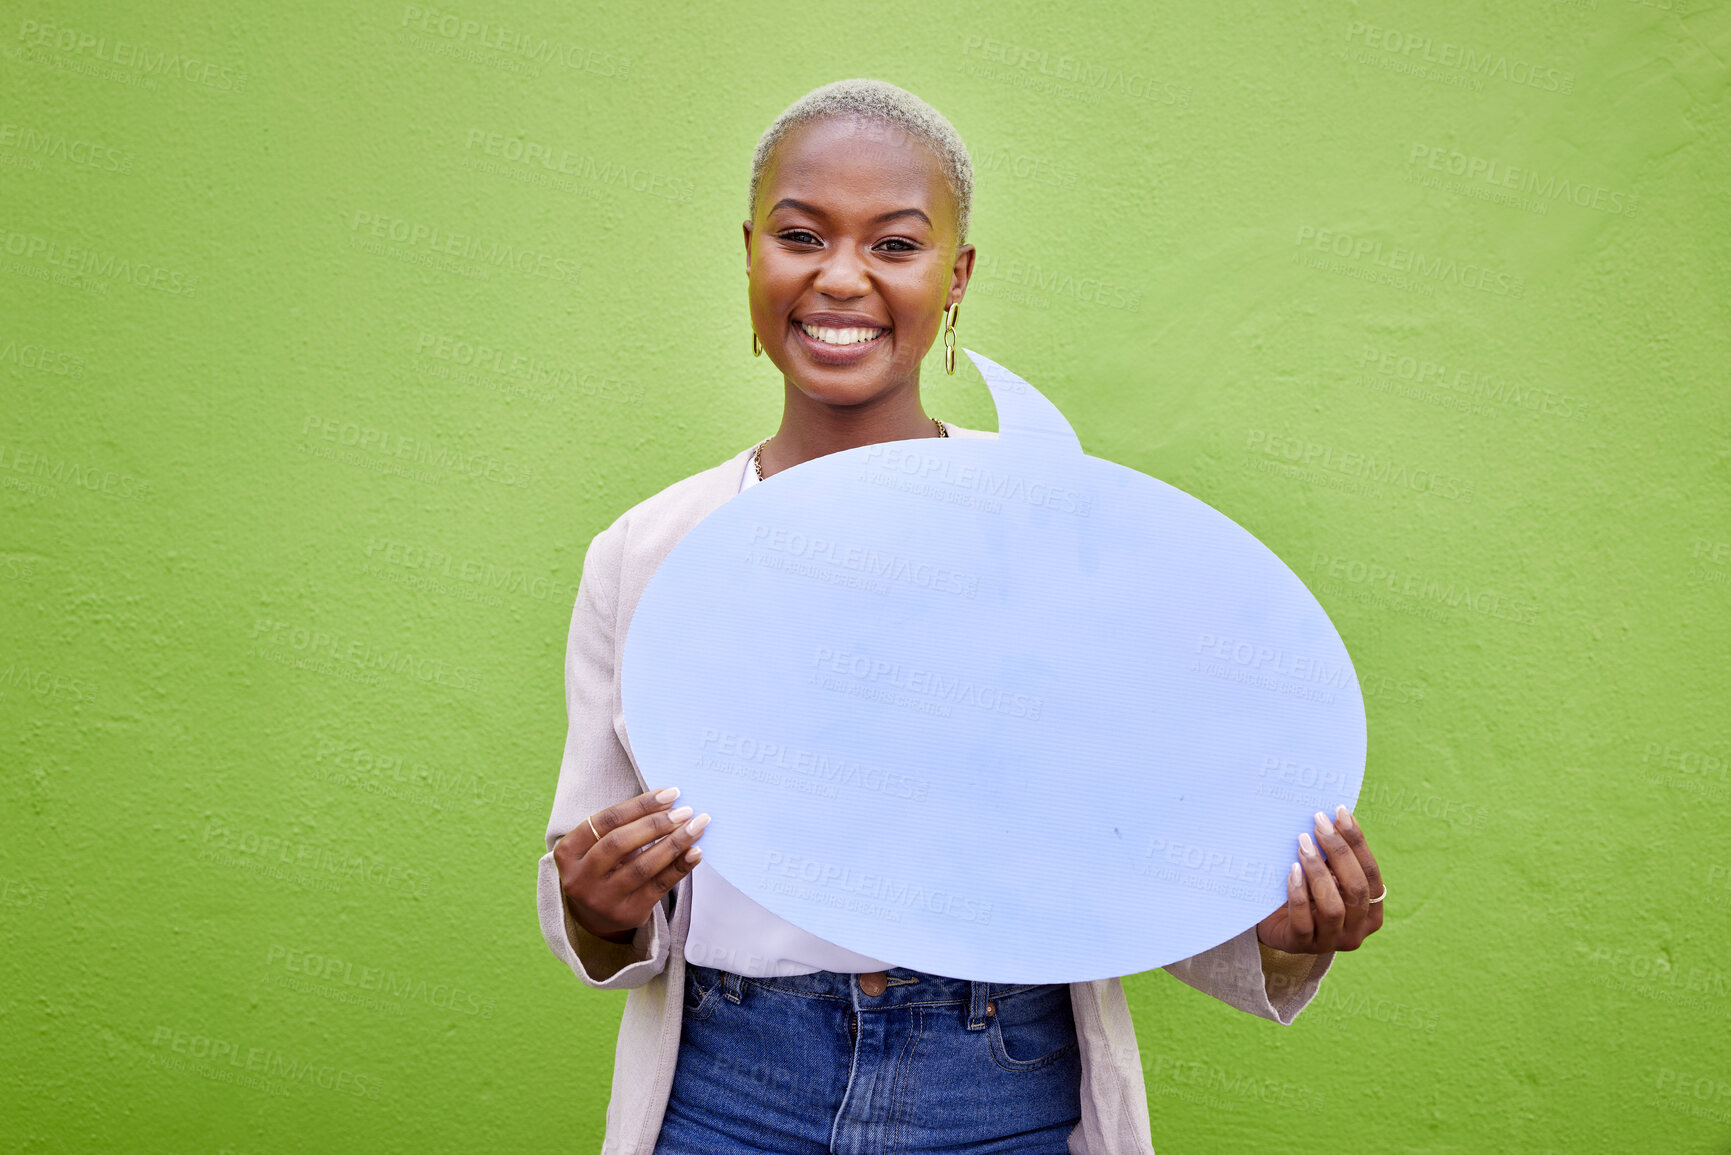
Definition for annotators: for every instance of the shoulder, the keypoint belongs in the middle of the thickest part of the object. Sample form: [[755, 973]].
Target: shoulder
[[655, 524], [645, 533], [703, 491]]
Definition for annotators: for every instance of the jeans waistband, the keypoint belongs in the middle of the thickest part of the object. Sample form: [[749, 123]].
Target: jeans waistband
[[902, 987]]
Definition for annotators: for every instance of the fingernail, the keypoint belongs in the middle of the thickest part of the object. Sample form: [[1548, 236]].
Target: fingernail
[[697, 824], [1323, 824], [681, 814], [695, 853], [666, 794], [1343, 818], [1295, 876], [1306, 845]]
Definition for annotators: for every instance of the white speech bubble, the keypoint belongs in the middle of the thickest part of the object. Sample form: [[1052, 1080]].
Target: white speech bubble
[[993, 708]]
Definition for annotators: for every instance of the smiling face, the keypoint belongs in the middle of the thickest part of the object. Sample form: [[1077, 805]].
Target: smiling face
[[852, 257]]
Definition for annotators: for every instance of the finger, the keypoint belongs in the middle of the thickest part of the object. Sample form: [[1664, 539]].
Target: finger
[[1324, 896], [682, 865], [623, 844], [1298, 912], [1348, 875], [639, 881], [641, 903], [1347, 824], [619, 814], [674, 819]]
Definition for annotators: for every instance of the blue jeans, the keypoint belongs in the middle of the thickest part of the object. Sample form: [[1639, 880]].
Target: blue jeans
[[814, 1063]]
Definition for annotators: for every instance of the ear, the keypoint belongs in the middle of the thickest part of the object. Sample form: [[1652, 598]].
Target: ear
[[748, 248], [960, 272]]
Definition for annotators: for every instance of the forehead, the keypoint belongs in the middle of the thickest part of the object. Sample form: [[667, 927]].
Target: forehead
[[842, 163]]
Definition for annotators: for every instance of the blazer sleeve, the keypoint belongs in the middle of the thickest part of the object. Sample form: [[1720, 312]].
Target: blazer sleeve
[[1257, 979], [594, 773]]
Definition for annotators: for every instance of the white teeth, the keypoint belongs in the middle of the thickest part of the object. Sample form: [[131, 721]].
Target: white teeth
[[840, 336]]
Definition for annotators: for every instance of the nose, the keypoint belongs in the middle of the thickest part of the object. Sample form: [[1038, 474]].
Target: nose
[[842, 274]]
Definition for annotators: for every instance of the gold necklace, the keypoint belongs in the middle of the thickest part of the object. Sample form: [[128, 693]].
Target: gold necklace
[[757, 454]]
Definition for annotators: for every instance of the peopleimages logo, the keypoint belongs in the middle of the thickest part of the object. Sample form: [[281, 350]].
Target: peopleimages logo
[[1275, 661], [1399, 259], [83, 261], [1086, 76], [1521, 178], [355, 655], [342, 972], [1365, 466], [893, 893], [65, 147], [1479, 599], [868, 562], [132, 57], [1485, 63], [435, 239], [265, 1062], [935, 468], [517, 43], [929, 682], [1085, 290], [833, 767]]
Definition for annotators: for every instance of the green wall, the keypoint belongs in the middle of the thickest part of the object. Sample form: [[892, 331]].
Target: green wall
[[1433, 299]]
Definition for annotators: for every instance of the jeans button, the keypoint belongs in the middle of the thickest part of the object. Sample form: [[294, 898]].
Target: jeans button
[[873, 983]]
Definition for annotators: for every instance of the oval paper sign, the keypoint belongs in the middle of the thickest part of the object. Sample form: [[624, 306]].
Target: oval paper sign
[[993, 708]]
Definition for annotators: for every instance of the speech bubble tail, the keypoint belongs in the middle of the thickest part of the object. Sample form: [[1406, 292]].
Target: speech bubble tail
[[1024, 414]]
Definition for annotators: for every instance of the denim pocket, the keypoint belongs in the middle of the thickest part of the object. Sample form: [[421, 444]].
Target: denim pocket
[[701, 987], [1032, 1028]]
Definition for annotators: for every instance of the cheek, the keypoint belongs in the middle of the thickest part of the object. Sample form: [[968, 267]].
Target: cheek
[[927, 317], [764, 292], [922, 305]]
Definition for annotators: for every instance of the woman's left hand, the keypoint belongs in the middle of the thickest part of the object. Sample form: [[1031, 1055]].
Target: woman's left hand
[[1328, 903]]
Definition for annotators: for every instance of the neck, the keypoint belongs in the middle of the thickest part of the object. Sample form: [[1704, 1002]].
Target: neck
[[811, 429]]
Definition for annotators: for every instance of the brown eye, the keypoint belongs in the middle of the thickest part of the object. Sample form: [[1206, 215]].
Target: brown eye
[[909, 246], [798, 237]]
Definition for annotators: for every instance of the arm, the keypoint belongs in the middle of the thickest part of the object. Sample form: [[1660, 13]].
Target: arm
[[594, 773]]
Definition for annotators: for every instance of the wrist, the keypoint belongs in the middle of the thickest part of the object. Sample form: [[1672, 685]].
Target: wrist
[[622, 937]]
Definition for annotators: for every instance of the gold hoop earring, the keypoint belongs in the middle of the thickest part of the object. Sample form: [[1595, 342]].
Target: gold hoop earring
[[756, 345], [950, 337]]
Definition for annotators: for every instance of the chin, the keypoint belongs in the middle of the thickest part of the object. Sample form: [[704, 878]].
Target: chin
[[844, 394]]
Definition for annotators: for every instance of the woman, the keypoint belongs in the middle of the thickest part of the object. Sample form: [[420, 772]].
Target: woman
[[855, 253]]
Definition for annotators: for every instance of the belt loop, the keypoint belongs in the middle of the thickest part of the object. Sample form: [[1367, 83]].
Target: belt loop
[[977, 1006], [732, 984]]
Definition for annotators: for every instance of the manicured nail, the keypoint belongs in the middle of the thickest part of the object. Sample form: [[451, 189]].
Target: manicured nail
[[1343, 818], [1323, 824], [681, 814], [1295, 876], [697, 824], [1306, 845], [695, 853], [666, 794]]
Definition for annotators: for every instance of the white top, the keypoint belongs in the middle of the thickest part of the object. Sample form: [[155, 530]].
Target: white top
[[731, 931]]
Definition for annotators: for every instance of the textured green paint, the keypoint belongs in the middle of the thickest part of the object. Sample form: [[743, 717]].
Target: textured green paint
[[183, 794]]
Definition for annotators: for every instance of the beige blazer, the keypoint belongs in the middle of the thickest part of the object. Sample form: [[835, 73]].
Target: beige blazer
[[598, 770]]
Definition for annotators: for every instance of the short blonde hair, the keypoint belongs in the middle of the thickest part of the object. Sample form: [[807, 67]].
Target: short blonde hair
[[882, 102]]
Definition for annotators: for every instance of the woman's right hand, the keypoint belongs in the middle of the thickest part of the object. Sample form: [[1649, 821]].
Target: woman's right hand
[[612, 885]]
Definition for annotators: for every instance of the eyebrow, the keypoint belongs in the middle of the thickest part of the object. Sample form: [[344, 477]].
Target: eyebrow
[[789, 202]]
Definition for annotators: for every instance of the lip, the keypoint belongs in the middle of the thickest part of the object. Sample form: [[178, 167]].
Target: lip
[[842, 321], [837, 354]]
